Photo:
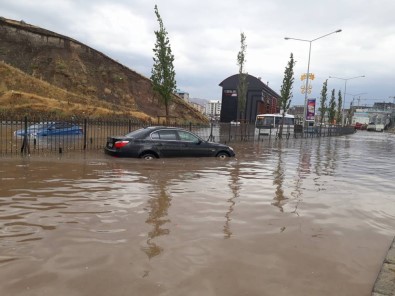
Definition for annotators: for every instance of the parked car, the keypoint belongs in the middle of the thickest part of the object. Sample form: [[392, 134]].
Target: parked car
[[358, 126], [51, 129], [160, 141], [376, 127]]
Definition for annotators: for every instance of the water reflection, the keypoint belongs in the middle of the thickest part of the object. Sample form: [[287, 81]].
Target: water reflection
[[306, 153], [234, 185], [297, 193], [164, 227], [278, 181], [157, 207], [318, 161], [331, 156]]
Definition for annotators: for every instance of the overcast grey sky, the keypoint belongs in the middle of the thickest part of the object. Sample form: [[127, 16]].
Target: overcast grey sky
[[205, 39]]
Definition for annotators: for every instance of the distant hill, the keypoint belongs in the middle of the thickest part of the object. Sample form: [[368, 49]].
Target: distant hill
[[71, 78], [202, 102]]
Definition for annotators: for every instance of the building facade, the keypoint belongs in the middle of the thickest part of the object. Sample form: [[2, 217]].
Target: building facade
[[184, 95], [198, 107], [383, 106], [297, 111], [213, 109], [260, 99]]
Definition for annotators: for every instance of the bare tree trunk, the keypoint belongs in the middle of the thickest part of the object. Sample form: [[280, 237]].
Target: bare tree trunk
[[280, 133], [243, 127], [167, 114]]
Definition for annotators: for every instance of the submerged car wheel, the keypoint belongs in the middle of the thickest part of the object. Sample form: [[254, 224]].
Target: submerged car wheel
[[222, 155], [148, 156]]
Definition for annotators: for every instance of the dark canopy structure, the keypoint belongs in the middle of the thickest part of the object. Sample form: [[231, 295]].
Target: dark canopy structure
[[260, 99]]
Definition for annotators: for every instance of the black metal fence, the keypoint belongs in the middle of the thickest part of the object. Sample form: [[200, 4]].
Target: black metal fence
[[23, 135]]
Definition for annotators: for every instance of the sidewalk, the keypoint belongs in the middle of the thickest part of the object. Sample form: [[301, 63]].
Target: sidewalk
[[385, 282]]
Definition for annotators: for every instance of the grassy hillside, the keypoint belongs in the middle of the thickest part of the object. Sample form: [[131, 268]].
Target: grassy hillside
[[22, 94], [60, 75]]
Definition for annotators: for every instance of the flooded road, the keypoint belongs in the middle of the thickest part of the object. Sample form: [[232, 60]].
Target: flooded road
[[292, 217]]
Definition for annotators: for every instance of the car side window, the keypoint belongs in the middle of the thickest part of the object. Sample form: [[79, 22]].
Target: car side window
[[155, 136], [169, 135], [60, 125], [57, 126], [185, 136]]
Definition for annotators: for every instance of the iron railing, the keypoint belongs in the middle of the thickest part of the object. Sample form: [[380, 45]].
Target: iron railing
[[16, 136]]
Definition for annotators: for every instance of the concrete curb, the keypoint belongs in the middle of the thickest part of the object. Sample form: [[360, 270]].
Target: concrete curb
[[385, 282]]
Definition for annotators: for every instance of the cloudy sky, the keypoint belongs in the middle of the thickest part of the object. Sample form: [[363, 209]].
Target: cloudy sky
[[205, 39]]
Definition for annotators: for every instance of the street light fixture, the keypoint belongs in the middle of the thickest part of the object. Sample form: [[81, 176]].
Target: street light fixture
[[308, 67], [345, 88]]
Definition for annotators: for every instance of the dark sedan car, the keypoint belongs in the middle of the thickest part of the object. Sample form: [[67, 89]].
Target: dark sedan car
[[159, 141]]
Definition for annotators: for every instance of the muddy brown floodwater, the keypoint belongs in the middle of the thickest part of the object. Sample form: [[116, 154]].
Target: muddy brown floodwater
[[291, 217]]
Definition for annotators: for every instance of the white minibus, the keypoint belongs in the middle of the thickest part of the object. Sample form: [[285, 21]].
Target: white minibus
[[269, 124]]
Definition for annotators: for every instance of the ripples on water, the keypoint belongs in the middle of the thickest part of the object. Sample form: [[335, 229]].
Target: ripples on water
[[50, 208]]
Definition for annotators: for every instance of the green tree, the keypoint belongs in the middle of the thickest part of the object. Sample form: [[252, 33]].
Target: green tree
[[323, 99], [242, 87], [332, 108], [286, 91], [339, 108], [162, 73]]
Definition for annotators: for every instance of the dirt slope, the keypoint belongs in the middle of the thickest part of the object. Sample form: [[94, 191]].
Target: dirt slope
[[80, 75]]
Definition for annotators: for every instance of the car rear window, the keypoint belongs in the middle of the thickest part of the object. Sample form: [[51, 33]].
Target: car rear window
[[140, 133]]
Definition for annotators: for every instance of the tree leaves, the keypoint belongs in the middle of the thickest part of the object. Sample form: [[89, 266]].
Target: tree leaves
[[163, 73]]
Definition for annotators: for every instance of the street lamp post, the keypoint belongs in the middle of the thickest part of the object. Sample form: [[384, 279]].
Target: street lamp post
[[308, 68], [345, 88]]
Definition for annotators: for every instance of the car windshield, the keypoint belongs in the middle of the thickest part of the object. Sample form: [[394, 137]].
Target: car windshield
[[40, 126], [36, 126]]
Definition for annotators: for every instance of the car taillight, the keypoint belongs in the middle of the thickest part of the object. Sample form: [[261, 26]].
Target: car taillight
[[120, 144]]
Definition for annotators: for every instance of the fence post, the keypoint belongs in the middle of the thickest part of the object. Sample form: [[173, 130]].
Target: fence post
[[25, 145], [211, 137], [230, 130], [85, 132]]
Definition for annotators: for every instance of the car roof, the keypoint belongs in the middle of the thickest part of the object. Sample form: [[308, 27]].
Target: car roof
[[149, 129], [156, 127]]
